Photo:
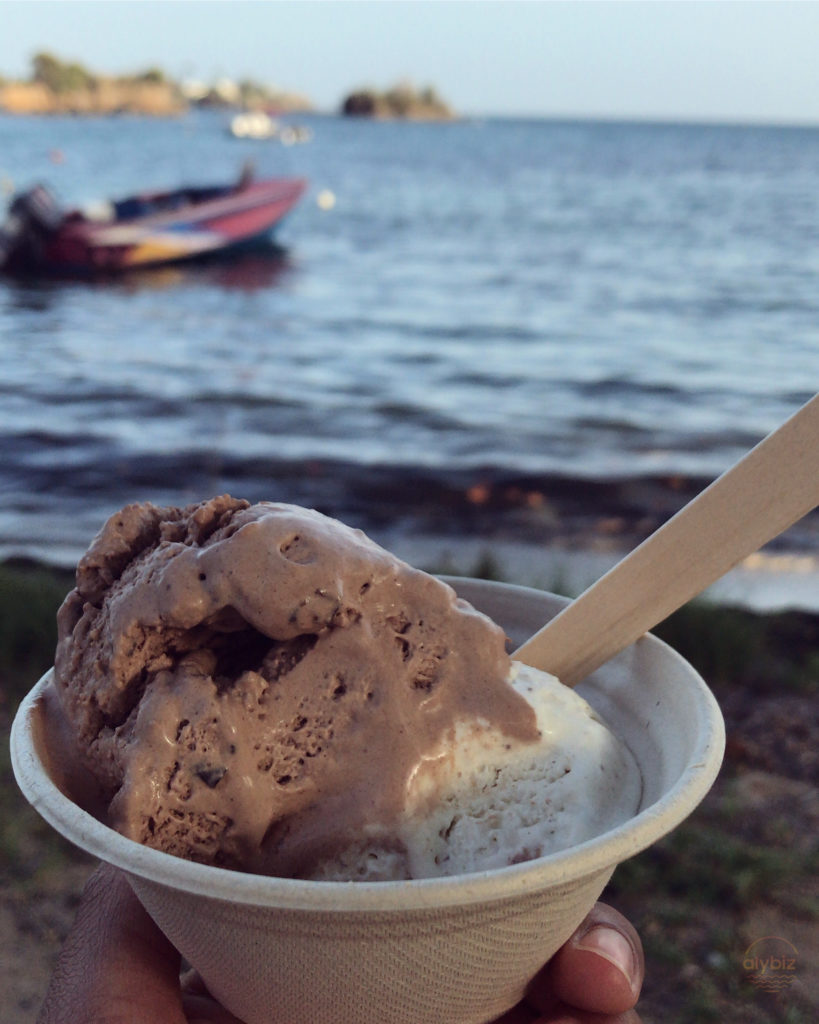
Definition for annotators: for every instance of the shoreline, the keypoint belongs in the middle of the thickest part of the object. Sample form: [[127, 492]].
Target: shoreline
[[548, 531], [779, 578], [767, 581]]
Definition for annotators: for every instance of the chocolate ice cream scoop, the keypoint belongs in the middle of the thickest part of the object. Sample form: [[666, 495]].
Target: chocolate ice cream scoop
[[255, 686]]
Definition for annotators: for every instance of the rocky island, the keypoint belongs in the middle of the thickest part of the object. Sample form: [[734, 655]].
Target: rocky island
[[402, 101]]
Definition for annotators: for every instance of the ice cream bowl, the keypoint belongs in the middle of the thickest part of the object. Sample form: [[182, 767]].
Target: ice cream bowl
[[460, 949]]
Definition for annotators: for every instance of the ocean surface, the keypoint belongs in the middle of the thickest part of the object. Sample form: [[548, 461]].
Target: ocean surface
[[518, 307]]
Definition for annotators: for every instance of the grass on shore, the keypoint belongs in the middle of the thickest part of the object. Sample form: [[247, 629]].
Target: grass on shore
[[29, 598], [741, 867]]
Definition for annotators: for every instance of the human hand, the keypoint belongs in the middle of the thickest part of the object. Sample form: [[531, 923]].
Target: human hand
[[117, 967]]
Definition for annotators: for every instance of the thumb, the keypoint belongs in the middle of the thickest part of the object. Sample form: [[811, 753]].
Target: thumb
[[600, 968], [115, 964]]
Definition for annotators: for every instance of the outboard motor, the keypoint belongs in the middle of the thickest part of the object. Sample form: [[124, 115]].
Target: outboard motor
[[32, 217], [39, 208]]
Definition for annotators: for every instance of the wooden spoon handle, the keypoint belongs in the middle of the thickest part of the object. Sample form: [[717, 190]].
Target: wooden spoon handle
[[772, 487]]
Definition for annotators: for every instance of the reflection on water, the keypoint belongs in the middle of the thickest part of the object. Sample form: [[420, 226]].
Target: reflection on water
[[248, 268]]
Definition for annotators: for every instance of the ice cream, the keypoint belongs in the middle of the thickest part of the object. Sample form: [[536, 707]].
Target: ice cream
[[263, 688]]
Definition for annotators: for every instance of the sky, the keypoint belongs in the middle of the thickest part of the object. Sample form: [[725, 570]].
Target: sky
[[657, 59]]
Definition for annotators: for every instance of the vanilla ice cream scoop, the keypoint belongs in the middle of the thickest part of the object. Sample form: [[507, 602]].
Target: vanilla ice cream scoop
[[482, 802]]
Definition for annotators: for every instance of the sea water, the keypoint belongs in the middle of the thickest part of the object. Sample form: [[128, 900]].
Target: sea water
[[464, 302]]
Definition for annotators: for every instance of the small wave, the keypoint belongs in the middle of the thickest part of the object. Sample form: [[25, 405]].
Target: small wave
[[628, 389]]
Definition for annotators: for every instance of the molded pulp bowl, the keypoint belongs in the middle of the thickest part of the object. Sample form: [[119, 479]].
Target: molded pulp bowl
[[459, 949]]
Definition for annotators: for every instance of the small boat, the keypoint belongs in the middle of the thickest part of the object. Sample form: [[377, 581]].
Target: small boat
[[256, 124], [143, 230], [253, 124]]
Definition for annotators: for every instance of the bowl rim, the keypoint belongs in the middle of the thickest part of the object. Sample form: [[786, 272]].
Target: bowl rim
[[596, 855]]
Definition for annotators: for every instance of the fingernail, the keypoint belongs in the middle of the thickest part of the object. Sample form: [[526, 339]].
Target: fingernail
[[614, 947]]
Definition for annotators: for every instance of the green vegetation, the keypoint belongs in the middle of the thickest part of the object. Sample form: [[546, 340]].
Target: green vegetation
[[768, 654], [63, 77], [723, 870], [153, 76], [29, 599], [60, 76], [694, 898]]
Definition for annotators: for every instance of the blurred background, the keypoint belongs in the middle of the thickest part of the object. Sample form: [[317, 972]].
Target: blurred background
[[554, 269]]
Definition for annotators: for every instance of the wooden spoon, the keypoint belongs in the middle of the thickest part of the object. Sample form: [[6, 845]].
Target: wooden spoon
[[767, 491]]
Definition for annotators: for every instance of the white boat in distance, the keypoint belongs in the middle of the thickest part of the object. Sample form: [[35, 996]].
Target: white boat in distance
[[256, 124]]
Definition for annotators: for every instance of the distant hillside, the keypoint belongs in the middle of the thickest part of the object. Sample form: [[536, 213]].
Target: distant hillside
[[401, 101], [56, 86]]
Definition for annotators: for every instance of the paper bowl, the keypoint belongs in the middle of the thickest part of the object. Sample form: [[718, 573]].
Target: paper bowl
[[459, 950]]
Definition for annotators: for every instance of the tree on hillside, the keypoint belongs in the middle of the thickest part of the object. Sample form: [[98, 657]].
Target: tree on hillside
[[152, 76], [60, 76]]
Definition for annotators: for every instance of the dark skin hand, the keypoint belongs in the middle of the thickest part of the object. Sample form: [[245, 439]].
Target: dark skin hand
[[116, 967]]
